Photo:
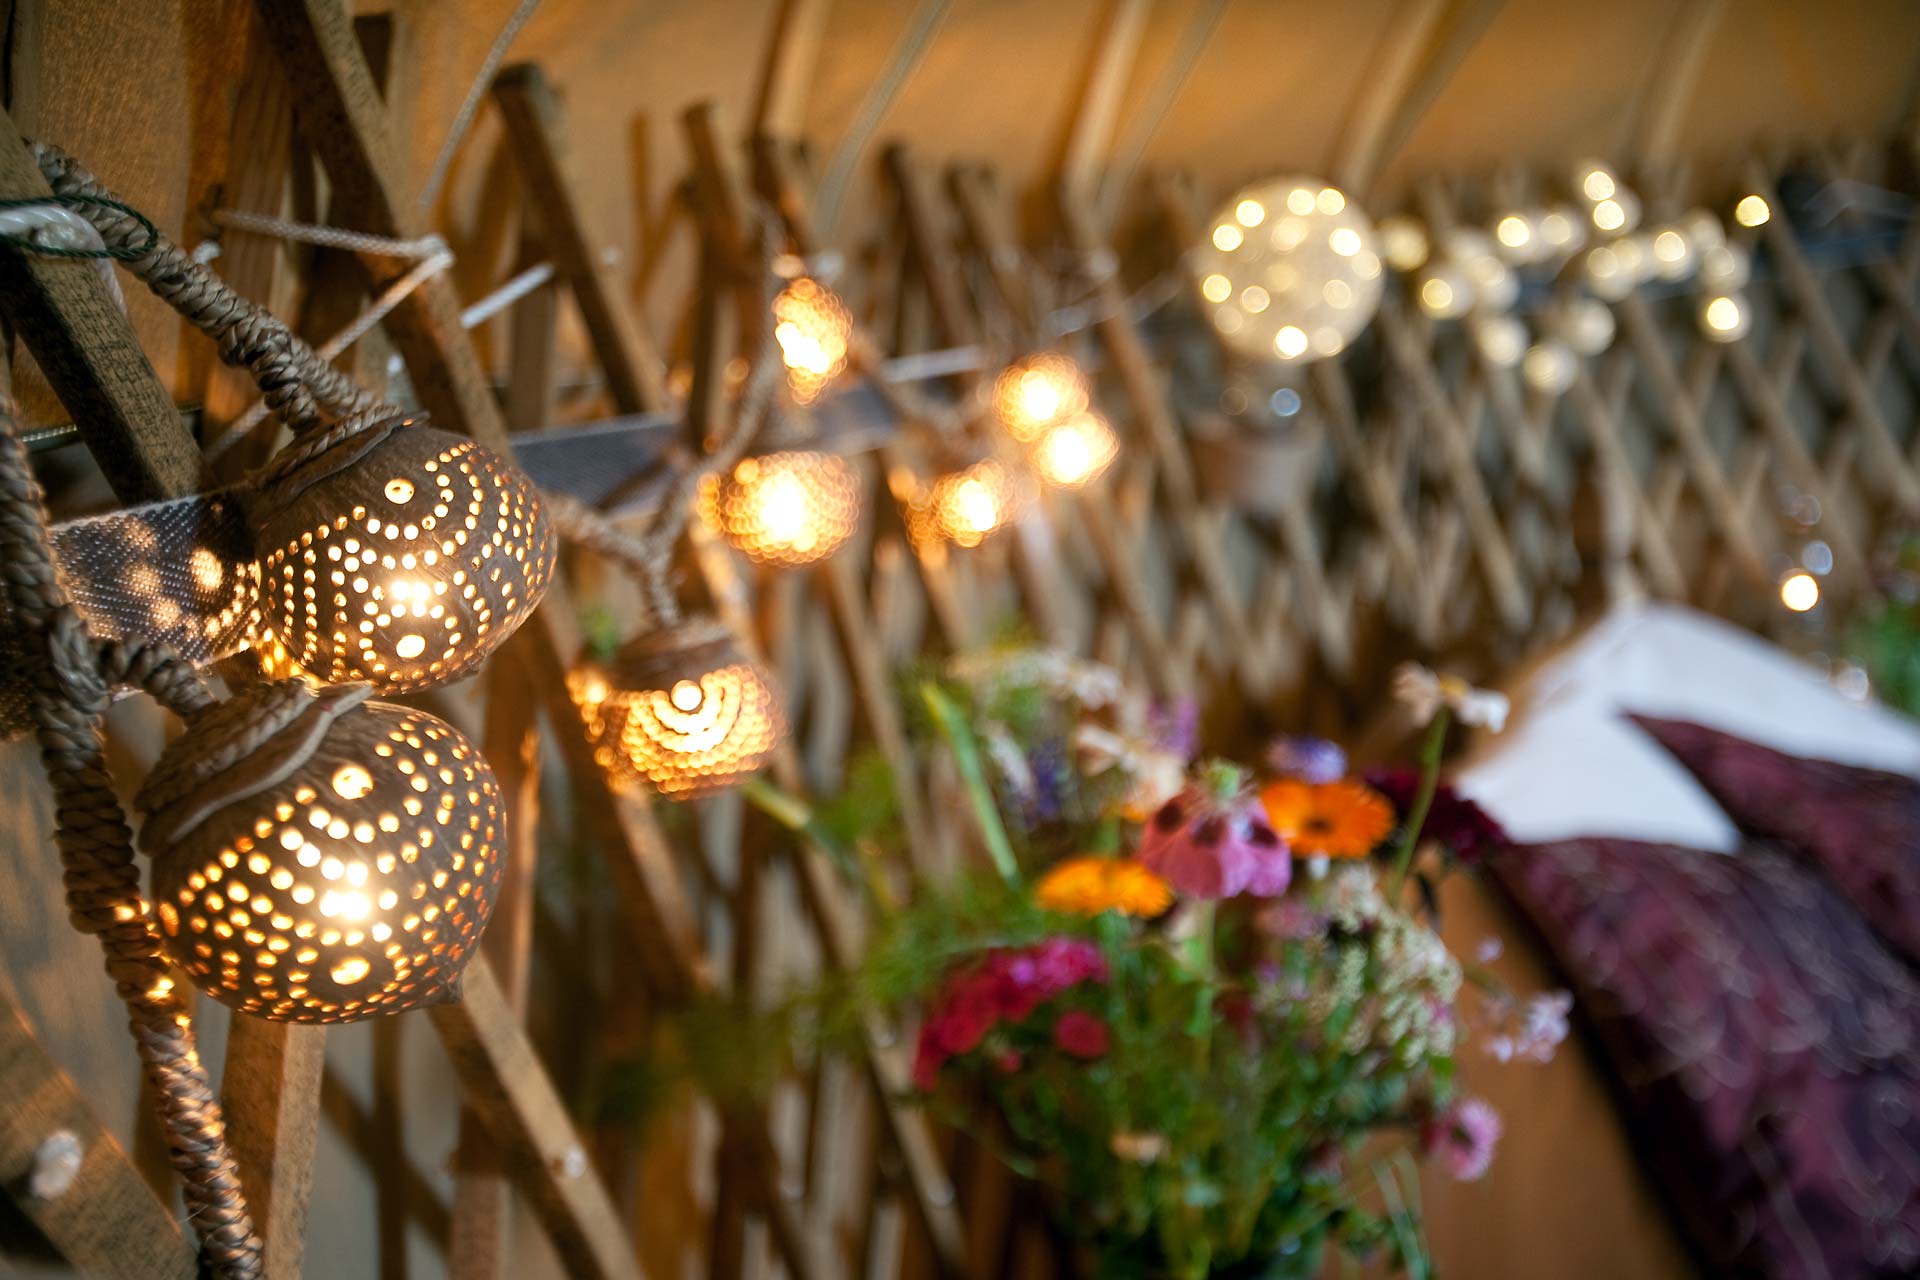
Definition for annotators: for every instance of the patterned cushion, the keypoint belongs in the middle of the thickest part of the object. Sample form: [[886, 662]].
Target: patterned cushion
[[1860, 826], [1766, 1046]]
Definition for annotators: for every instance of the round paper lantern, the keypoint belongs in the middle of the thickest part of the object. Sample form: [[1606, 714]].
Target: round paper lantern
[[318, 857], [1033, 394], [1071, 453], [967, 506], [401, 556], [1289, 270], [679, 710], [813, 327], [788, 509]]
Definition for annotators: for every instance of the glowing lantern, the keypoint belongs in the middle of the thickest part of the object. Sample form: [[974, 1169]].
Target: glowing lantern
[[1073, 452], [1033, 394], [967, 506], [402, 556], [789, 509], [1725, 317], [1291, 270], [812, 326], [679, 710], [318, 857]]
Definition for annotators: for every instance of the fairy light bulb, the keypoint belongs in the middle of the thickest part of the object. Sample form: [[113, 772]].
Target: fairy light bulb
[[1072, 453], [1444, 291], [1033, 393], [1291, 270], [1501, 339], [967, 506], [679, 711], [1549, 366], [1584, 324], [1752, 211], [812, 327], [1725, 318], [1672, 253], [401, 556], [318, 857], [1403, 242], [1595, 180], [1800, 592], [788, 509]]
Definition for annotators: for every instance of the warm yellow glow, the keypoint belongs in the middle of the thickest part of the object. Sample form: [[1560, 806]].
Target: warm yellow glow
[[350, 782], [1037, 392], [1330, 201], [789, 508], [1800, 592], [965, 507], [812, 327], [1514, 231], [1344, 241], [1436, 295], [1752, 211], [685, 696], [1404, 241], [1290, 342], [1227, 237], [1722, 314], [1254, 299], [1250, 213], [1300, 201], [399, 490], [1557, 229], [1609, 215], [351, 970], [1075, 451], [1598, 184], [976, 506], [1216, 288], [411, 645], [1670, 246]]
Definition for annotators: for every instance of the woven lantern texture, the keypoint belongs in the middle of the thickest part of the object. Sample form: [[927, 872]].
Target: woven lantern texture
[[680, 711], [402, 556], [967, 506], [1289, 270], [319, 857], [1038, 391], [787, 509], [813, 327]]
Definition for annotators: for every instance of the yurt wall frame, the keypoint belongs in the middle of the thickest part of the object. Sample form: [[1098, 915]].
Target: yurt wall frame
[[1451, 536]]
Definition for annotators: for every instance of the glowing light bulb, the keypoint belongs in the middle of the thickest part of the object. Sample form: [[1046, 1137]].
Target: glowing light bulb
[[788, 509], [1597, 181], [351, 781], [1033, 394], [1403, 242], [1290, 342], [1549, 366], [967, 506], [1216, 288], [1800, 592], [1227, 237], [1752, 211], [1725, 318], [1250, 213], [1514, 231], [1609, 215], [1074, 452], [812, 327]]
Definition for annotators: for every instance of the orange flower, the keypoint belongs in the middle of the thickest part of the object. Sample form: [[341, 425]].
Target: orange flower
[[1330, 819], [1087, 886]]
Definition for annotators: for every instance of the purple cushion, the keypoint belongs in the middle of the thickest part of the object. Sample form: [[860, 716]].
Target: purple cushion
[[1766, 1047], [1860, 826]]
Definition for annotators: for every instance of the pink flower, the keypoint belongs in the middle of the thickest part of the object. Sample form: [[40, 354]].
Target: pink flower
[[1215, 842], [967, 1015], [1463, 1136], [1082, 1035], [927, 1061]]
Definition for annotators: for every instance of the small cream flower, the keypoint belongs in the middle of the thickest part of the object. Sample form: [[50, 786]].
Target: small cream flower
[[1424, 693], [1139, 1148]]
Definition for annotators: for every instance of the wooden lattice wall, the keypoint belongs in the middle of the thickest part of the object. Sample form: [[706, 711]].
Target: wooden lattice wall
[[1423, 503]]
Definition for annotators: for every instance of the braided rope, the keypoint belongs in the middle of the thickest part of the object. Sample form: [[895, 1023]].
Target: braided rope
[[96, 852], [296, 382]]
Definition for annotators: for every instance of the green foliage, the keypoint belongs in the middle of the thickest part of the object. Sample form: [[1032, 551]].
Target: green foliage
[[1885, 641]]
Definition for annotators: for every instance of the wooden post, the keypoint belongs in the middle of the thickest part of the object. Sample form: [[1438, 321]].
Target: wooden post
[[105, 1221]]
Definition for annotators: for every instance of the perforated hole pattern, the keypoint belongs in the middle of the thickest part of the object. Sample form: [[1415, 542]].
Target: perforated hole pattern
[[408, 568], [359, 885], [694, 737]]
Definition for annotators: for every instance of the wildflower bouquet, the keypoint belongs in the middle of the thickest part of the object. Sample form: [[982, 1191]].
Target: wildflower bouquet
[[1189, 998]]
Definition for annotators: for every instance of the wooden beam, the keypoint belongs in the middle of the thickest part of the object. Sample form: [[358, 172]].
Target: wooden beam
[[270, 1094], [60, 308], [1098, 108], [1424, 46], [634, 370], [1676, 69], [508, 1090], [106, 1221], [786, 73]]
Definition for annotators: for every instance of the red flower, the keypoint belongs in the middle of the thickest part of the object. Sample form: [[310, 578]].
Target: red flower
[[1082, 1035]]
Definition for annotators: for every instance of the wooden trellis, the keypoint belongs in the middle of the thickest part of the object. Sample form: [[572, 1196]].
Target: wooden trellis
[[1429, 512]]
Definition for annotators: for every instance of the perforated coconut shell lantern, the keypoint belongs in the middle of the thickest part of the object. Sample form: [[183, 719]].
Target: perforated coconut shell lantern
[[319, 857], [789, 509], [679, 710], [968, 504], [1038, 391], [402, 555]]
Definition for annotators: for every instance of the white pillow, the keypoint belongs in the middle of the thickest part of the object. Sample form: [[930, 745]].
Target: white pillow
[[1570, 764]]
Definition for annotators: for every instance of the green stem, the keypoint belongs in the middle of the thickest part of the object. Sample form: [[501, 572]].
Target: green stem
[[973, 775], [1206, 920], [797, 816], [1430, 753]]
